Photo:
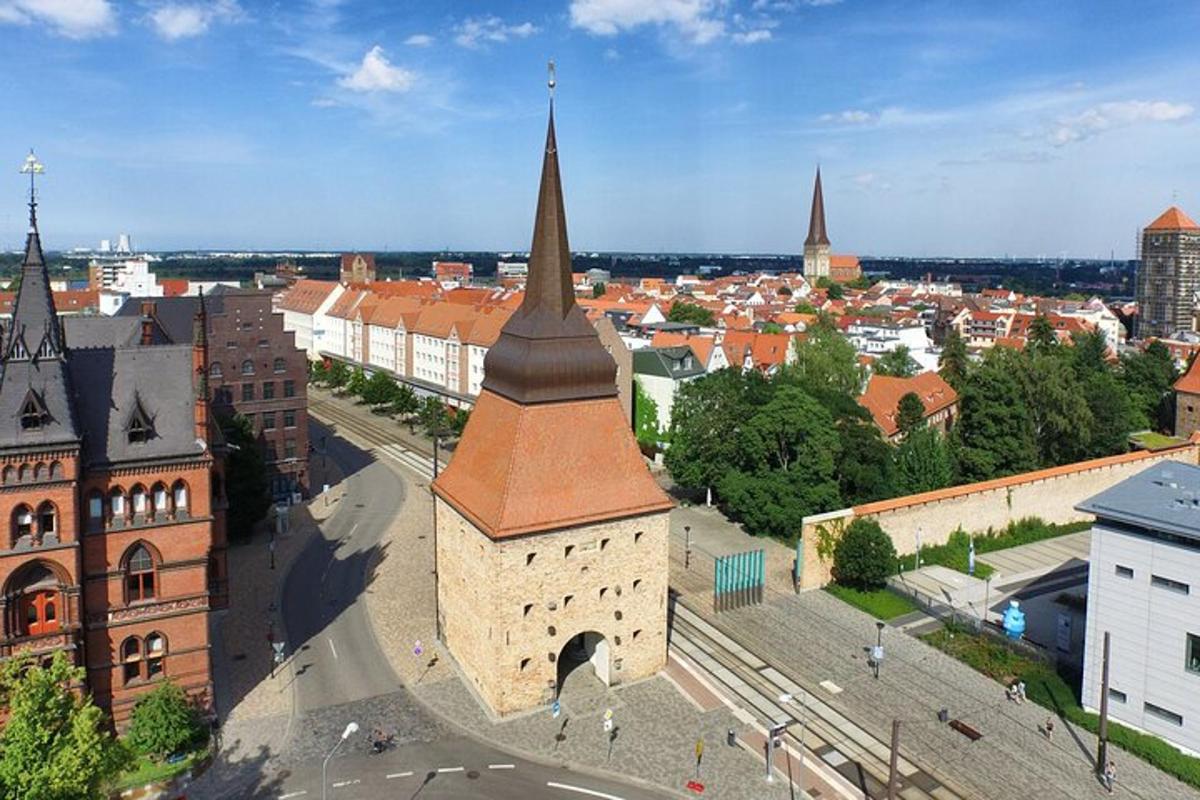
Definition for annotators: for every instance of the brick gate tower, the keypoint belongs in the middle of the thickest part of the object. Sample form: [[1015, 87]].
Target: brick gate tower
[[552, 536]]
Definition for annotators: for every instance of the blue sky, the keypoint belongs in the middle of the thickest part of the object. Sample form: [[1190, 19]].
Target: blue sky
[[942, 128]]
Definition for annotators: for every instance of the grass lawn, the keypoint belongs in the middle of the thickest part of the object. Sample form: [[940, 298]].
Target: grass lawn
[[954, 553], [1046, 687], [145, 770], [881, 603], [1152, 440]]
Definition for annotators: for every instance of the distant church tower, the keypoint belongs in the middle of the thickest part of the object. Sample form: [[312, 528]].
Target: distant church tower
[[816, 246], [552, 536]]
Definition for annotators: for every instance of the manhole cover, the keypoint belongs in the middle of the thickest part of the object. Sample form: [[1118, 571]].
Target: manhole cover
[[473, 774]]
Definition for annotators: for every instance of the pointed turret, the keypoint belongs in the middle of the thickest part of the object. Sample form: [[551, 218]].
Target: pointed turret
[[548, 351], [34, 329], [816, 222]]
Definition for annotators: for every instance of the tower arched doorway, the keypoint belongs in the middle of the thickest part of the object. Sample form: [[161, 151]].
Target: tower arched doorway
[[585, 655]]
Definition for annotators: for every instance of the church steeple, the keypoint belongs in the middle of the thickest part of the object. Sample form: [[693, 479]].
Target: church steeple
[[816, 222], [34, 331], [548, 351]]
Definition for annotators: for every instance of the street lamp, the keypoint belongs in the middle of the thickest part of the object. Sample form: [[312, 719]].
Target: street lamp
[[351, 729], [787, 699], [877, 651]]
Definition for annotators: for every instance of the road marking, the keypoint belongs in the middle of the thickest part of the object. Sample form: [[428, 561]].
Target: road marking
[[331, 647], [340, 784], [394, 775], [581, 790], [293, 794], [450, 769], [500, 766]]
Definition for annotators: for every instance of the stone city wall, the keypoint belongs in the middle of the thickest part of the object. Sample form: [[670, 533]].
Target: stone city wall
[[1050, 494]]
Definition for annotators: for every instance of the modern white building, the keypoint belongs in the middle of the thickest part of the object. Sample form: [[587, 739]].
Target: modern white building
[[876, 337], [1144, 590]]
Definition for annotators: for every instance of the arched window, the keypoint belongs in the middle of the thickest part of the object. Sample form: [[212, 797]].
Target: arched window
[[137, 496], [156, 651], [47, 519], [280, 365], [139, 575], [247, 367], [22, 523], [131, 659], [180, 492], [95, 508], [161, 504], [116, 503], [9, 474], [214, 371], [35, 603], [39, 472], [23, 473], [56, 470]]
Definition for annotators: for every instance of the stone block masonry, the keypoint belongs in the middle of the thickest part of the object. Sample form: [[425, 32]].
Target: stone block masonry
[[1050, 494]]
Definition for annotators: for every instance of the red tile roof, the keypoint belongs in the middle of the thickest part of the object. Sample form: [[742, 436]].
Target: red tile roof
[[882, 397], [306, 295], [1190, 381], [523, 469], [174, 287], [1173, 219], [702, 346]]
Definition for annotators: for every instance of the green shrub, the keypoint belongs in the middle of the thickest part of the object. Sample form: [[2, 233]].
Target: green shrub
[[954, 553], [864, 556], [164, 722]]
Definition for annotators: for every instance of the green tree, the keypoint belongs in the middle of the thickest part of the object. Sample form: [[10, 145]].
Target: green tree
[[1041, 334], [55, 744], [864, 556], [994, 434], [832, 288], [645, 416], [598, 290], [380, 389], [910, 413], [459, 420], [896, 363], [357, 382], [1090, 353], [317, 372], [434, 417], [1054, 396], [805, 307], [338, 374], [772, 327], [826, 360], [1149, 376], [683, 311], [774, 503], [706, 420], [164, 723], [923, 462], [865, 465], [404, 401], [954, 363], [246, 484], [1114, 414]]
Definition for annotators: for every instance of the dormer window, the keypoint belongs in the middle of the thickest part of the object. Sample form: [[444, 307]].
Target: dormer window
[[19, 350], [140, 428], [33, 412], [46, 350]]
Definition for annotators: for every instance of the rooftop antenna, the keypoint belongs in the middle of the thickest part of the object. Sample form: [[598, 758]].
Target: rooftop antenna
[[32, 167], [551, 82]]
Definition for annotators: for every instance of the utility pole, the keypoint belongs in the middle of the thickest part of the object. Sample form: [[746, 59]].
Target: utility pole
[[893, 767], [1102, 747], [687, 546]]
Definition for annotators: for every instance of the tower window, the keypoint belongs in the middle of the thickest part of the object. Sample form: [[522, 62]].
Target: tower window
[[33, 413]]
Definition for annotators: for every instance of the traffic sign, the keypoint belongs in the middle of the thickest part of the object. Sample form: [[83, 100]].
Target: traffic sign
[[608, 725], [555, 709]]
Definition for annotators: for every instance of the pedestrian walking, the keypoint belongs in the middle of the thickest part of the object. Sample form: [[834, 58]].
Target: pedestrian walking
[[1011, 693], [1110, 776], [1048, 729], [1021, 698]]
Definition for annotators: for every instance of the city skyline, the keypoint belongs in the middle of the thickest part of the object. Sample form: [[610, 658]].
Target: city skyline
[[694, 126]]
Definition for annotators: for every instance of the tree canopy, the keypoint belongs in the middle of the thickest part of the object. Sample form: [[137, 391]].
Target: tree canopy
[[683, 311], [896, 363], [910, 413], [246, 484]]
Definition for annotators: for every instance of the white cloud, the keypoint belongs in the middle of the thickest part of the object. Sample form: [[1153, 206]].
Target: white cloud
[[419, 40], [1108, 116], [377, 74], [870, 181], [790, 5], [174, 21], [75, 19], [698, 21], [476, 31], [752, 37], [852, 116]]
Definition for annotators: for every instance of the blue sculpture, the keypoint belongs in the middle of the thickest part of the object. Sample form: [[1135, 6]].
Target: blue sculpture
[[1014, 620]]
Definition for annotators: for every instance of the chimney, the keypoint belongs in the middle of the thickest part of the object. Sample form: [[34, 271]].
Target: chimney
[[148, 309]]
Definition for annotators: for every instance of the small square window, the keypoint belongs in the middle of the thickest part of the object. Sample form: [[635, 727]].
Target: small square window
[[1193, 653], [637, 584], [527, 609], [637, 537], [524, 663], [1124, 572], [1169, 585], [567, 600], [568, 550], [247, 392], [603, 543], [289, 388], [1164, 714], [289, 419], [1116, 695], [268, 390], [603, 591], [637, 634], [529, 558]]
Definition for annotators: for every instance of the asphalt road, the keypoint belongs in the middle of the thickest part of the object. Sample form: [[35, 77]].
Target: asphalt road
[[341, 674]]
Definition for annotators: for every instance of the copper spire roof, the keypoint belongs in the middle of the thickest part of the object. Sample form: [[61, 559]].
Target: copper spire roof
[[1173, 219], [548, 351], [816, 222]]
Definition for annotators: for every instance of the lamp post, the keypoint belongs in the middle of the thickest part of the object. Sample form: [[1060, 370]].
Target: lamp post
[[877, 651], [687, 546], [787, 699], [351, 729]]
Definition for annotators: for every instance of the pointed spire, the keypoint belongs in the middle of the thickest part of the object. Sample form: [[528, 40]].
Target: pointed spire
[[35, 319], [816, 222], [548, 351]]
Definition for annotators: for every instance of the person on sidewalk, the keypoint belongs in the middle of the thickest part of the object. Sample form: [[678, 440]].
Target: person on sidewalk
[[1110, 776], [1021, 698], [1048, 728]]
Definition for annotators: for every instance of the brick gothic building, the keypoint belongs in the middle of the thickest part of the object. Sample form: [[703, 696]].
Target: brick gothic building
[[551, 532], [114, 550], [255, 370]]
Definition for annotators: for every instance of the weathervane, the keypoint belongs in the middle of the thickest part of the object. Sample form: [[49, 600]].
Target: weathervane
[[32, 167], [551, 83]]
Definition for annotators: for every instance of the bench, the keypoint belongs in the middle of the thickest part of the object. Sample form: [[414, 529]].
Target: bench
[[966, 730]]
